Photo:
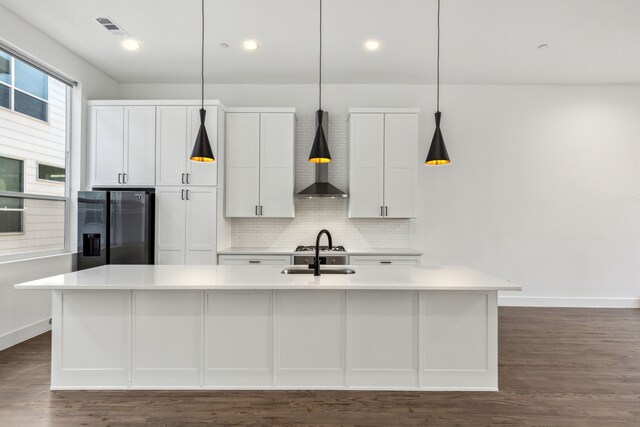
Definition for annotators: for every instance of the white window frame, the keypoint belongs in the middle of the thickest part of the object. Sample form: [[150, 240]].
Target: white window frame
[[12, 90], [50, 181]]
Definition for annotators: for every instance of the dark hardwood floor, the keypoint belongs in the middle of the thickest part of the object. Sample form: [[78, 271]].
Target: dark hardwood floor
[[558, 367]]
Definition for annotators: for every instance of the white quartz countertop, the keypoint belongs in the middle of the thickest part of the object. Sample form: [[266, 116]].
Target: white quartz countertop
[[291, 251], [235, 277]]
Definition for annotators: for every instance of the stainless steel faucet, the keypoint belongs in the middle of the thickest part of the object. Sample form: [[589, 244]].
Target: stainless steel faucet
[[316, 261]]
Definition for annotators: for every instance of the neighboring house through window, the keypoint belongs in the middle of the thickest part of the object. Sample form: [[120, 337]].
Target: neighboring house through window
[[23, 88]]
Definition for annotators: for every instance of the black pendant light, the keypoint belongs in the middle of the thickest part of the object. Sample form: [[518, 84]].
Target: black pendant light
[[320, 149], [202, 148], [438, 151]]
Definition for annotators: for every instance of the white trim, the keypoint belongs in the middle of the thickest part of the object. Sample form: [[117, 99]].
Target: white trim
[[384, 110], [508, 301], [161, 102], [261, 110], [22, 334]]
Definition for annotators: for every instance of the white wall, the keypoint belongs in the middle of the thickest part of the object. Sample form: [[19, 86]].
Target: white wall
[[20, 310], [542, 190]]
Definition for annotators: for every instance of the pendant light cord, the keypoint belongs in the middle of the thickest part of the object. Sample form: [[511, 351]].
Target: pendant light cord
[[202, 55], [320, 64], [438, 64]]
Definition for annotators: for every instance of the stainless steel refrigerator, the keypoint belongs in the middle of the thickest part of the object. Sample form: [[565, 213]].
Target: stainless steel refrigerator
[[115, 227]]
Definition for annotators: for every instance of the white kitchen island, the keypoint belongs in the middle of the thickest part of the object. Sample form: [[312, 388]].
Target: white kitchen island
[[251, 327]]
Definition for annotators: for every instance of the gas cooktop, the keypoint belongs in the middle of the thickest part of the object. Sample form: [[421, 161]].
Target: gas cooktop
[[310, 248]]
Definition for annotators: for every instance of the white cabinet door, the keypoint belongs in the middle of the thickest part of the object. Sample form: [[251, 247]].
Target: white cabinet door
[[140, 146], [171, 146], [107, 145], [257, 259], [201, 173], [384, 260], [243, 165], [366, 157], [277, 134], [400, 165], [201, 225], [170, 225]]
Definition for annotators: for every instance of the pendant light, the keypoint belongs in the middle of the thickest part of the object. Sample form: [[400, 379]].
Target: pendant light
[[202, 148], [438, 151], [320, 149]]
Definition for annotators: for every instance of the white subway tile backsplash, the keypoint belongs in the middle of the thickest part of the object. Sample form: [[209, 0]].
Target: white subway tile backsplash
[[314, 214]]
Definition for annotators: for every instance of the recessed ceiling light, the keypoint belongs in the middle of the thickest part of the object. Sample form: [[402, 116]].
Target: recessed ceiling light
[[372, 44], [131, 44], [251, 45]]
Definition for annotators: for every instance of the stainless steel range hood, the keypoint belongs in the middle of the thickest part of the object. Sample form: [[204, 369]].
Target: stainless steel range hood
[[321, 187]]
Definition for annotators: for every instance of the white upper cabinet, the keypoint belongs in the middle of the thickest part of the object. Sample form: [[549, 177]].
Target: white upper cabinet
[[383, 159], [177, 127], [260, 164], [122, 145]]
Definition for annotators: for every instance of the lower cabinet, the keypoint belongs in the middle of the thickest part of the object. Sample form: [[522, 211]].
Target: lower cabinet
[[265, 339], [186, 225], [254, 259], [384, 259]]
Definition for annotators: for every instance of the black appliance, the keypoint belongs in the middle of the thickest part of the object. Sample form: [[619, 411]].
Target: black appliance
[[115, 227]]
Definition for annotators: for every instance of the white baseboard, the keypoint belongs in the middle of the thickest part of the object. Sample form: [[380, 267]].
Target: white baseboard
[[24, 333], [509, 301]]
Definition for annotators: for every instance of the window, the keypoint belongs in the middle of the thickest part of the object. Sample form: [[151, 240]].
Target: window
[[50, 173], [23, 88], [34, 208], [11, 208]]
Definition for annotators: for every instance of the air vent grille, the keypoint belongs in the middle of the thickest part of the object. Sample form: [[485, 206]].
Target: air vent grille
[[111, 26]]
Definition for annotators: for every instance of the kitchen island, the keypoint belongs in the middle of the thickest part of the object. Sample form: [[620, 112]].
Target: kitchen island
[[240, 327]]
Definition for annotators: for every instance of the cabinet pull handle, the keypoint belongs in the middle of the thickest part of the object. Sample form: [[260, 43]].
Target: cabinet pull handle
[[119, 178], [385, 262], [183, 178], [182, 194], [256, 210], [187, 194], [254, 261], [260, 210], [188, 178], [124, 178], [381, 210], [386, 211]]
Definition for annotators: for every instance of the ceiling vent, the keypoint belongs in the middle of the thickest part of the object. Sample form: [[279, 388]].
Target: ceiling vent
[[111, 26]]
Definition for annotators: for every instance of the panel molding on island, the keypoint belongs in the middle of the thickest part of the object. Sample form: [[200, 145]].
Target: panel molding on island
[[275, 339]]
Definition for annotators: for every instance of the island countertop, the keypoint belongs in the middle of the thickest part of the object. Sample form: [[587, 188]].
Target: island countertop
[[233, 277]]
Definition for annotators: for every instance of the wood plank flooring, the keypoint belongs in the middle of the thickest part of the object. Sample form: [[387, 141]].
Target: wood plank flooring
[[558, 367]]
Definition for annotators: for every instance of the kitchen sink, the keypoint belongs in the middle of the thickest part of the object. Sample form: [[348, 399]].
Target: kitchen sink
[[322, 271]]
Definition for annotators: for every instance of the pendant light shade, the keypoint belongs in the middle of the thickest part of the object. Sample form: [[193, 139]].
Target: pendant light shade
[[320, 149], [202, 151], [437, 154]]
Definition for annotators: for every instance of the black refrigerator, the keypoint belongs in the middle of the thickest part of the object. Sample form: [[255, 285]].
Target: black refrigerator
[[115, 227]]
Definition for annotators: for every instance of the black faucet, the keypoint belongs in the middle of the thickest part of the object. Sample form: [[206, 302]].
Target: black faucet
[[316, 261]]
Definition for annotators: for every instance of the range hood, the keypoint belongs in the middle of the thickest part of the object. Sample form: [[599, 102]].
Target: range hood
[[321, 187]]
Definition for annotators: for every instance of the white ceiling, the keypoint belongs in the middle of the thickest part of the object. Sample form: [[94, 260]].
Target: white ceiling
[[483, 41]]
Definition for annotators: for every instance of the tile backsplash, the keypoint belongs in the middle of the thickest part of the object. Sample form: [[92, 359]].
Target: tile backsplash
[[314, 214]]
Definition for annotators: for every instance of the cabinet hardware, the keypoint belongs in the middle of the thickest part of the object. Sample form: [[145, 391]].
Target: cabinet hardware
[[381, 210], [386, 211], [182, 178], [187, 194], [385, 262], [182, 194], [124, 178], [260, 210], [188, 178], [119, 178], [256, 210], [254, 261]]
